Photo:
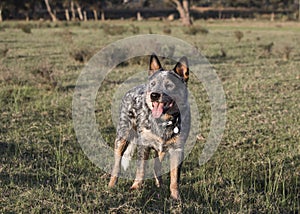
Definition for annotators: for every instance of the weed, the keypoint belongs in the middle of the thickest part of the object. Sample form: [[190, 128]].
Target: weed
[[287, 50], [114, 29], [193, 30], [167, 29], [150, 30], [223, 52], [134, 29], [2, 27], [267, 48], [82, 55], [44, 74], [255, 169], [3, 52], [26, 28], [238, 35]]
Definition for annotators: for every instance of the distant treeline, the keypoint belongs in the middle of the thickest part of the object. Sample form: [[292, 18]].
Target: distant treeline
[[114, 9]]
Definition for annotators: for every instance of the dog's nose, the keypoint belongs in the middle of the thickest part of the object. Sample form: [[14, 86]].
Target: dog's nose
[[155, 96]]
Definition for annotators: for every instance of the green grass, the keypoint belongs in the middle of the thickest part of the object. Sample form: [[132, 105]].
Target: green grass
[[256, 168]]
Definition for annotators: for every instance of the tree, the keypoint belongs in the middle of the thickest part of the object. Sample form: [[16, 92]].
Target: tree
[[53, 17], [183, 7]]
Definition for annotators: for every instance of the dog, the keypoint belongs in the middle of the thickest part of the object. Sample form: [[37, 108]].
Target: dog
[[155, 116]]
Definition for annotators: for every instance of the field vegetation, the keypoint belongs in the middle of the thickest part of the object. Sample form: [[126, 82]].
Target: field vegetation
[[256, 168]]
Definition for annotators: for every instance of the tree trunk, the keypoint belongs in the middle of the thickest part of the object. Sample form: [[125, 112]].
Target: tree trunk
[[95, 15], [67, 15], [187, 19], [53, 17], [184, 11], [1, 15], [73, 11], [84, 16], [102, 16], [299, 10], [139, 16], [79, 11]]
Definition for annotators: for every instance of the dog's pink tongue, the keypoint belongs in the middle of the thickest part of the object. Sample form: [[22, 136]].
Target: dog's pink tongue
[[157, 109]]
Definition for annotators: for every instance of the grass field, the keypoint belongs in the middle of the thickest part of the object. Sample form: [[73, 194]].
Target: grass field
[[256, 168]]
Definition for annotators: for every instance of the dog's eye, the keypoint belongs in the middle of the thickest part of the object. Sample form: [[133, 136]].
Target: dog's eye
[[169, 85], [152, 83]]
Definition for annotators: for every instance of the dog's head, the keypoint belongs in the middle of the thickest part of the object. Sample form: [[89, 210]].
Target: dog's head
[[166, 89]]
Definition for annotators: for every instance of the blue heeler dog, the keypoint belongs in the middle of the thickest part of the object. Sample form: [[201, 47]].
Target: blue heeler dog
[[155, 116]]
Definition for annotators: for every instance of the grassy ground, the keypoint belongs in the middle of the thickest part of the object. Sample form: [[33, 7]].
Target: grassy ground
[[256, 168]]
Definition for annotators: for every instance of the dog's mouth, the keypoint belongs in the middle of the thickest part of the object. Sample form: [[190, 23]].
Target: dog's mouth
[[158, 108]]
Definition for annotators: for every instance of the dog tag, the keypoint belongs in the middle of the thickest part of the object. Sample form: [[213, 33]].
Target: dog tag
[[176, 130]]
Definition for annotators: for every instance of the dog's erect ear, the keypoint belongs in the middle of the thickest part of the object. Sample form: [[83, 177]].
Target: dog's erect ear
[[182, 68], [154, 64]]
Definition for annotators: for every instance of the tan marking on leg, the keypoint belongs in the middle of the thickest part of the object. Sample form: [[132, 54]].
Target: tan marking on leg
[[161, 156], [136, 185], [140, 172], [175, 164], [119, 149], [172, 140], [113, 181], [174, 184], [157, 169]]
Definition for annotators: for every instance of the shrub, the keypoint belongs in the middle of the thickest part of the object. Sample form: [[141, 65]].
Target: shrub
[[238, 35], [44, 74], [287, 52], [134, 29], [193, 30], [114, 29], [26, 28], [82, 55], [167, 30]]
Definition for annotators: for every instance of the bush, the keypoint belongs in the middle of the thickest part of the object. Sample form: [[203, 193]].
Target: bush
[[134, 29], [167, 30], [82, 55], [193, 30], [114, 29], [26, 28], [239, 35]]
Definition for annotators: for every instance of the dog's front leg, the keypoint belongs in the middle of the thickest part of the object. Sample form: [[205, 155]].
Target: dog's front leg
[[143, 155], [176, 158], [157, 167], [120, 146]]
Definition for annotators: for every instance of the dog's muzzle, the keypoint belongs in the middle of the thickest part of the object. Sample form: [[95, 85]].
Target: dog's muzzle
[[154, 97], [158, 105]]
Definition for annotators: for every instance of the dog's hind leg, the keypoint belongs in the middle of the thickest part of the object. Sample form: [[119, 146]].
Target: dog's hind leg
[[120, 146], [143, 155], [157, 170]]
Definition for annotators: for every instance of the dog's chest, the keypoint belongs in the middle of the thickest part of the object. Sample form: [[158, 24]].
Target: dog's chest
[[160, 129]]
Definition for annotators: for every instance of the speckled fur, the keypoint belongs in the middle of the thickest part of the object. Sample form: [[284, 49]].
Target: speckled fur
[[167, 133]]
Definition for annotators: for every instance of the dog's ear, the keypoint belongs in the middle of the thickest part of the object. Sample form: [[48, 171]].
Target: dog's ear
[[182, 68], [154, 64]]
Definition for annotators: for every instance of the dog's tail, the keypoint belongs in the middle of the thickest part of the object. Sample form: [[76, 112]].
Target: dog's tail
[[128, 154]]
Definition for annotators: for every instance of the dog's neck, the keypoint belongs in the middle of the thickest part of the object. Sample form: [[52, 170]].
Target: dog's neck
[[171, 121]]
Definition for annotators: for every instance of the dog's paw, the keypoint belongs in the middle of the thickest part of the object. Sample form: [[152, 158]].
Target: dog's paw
[[175, 195], [136, 185], [113, 181]]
